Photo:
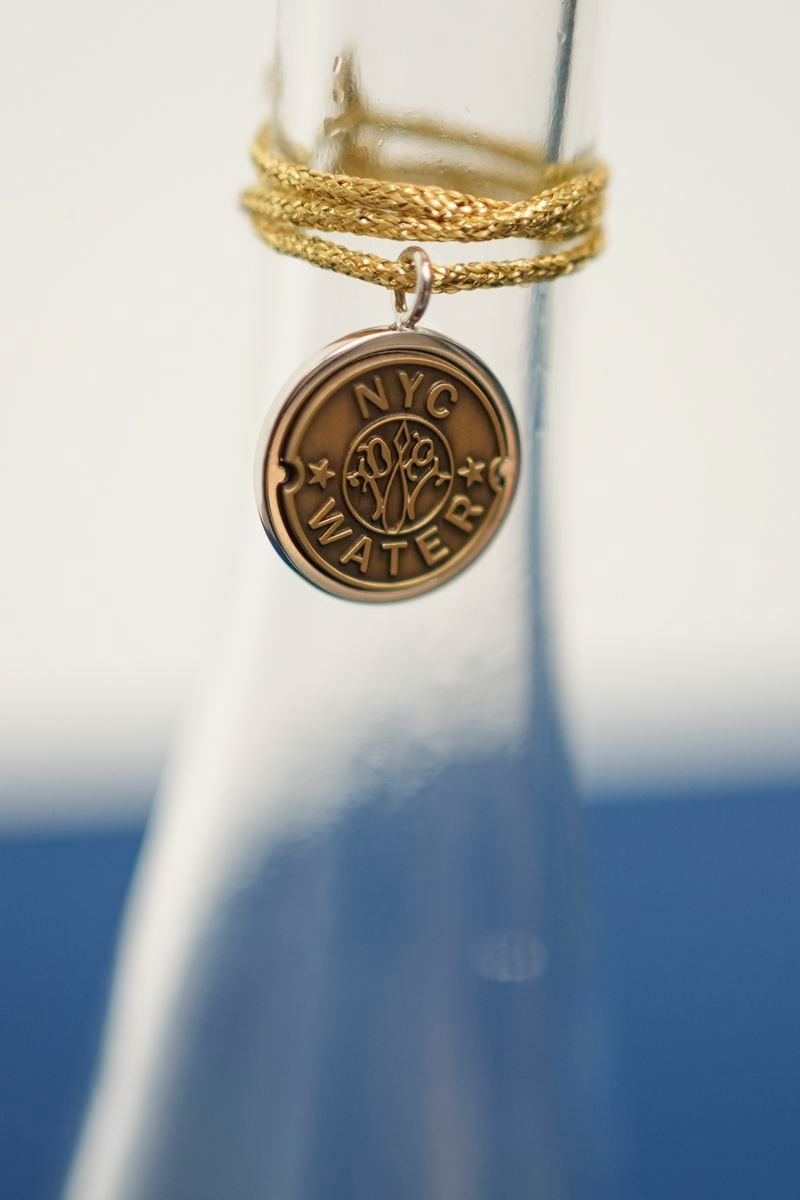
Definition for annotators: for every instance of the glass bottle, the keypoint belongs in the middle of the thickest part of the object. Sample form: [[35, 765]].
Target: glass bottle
[[358, 958]]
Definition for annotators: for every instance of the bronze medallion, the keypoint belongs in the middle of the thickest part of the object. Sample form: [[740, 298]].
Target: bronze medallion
[[391, 463]]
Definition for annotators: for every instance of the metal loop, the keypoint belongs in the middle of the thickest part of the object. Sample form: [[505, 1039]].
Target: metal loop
[[407, 317]]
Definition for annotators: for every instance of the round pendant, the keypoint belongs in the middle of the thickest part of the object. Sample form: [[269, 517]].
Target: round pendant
[[391, 463]]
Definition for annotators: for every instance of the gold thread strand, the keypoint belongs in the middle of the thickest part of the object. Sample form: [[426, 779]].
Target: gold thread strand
[[290, 197]]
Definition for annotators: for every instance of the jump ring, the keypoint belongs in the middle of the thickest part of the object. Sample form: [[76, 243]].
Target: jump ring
[[407, 317]]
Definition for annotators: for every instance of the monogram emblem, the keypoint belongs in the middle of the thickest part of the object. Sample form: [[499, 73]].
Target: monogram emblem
[[399, 473]]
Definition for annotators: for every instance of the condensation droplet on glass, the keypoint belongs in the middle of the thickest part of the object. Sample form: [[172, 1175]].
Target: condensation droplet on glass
[[510, 956]]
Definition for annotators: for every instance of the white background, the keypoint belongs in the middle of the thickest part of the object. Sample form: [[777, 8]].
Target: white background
[[129, 294]]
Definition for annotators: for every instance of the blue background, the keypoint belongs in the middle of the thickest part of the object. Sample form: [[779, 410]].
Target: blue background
[[699, 896]]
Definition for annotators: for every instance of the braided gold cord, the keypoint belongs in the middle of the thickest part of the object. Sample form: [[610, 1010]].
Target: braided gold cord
[[290, 197]]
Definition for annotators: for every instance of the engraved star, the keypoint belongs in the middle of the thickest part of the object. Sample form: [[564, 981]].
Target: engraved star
[[320, 473], [472, 471]]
